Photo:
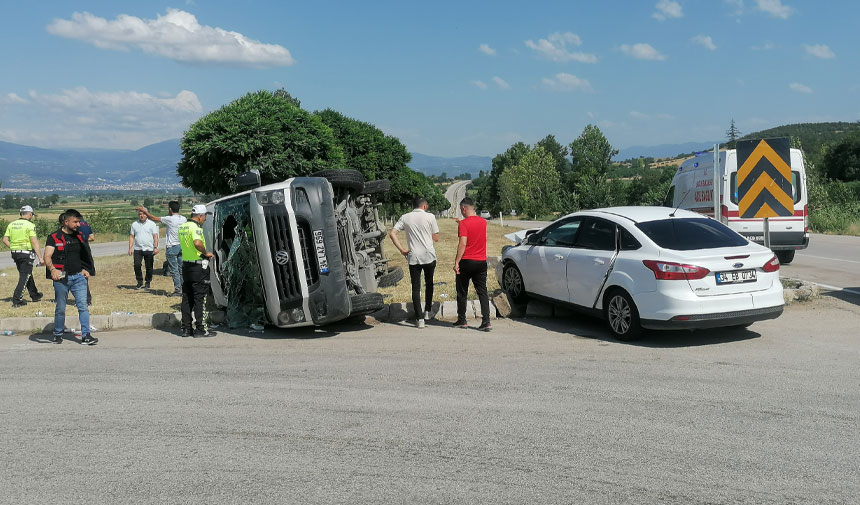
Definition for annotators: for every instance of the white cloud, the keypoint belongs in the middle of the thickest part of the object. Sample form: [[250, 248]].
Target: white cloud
[[12, 98], [501, 83], [486, 49], [642, 51], [705, 41], [775, 8], [479, 84], [566, 82], [555, 48], [667, 9], [800, 88], [79, 117], [638, 115], [176, 35], [819, 51], [665, 116], [738, 6]]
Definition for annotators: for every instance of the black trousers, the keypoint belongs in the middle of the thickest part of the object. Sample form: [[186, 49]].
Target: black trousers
[[24, 263], [415, 277], [195, 287], [146, 257], [475, 271]]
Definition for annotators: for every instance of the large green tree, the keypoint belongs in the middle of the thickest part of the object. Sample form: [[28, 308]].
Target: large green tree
[[842, 160], [559, 153], [532, 186], [487, 193], [591, 153], [588, 185], [261, 130]]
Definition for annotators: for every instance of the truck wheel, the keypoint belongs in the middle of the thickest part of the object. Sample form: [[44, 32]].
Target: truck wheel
[[366, 303], [785, 257], [390, 277], [350, 179], [374, 187]]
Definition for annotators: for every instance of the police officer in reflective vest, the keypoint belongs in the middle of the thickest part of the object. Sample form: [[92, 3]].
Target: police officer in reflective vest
[[21, 238], [195, 274]]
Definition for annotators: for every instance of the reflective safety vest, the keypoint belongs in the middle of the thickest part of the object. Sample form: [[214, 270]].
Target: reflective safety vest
[[19, 233], [188, 233]]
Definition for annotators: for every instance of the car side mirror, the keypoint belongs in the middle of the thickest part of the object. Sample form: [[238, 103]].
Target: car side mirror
[[532, 239]]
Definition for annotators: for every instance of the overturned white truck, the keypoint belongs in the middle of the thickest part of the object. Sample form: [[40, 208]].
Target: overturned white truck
[[305, 251]]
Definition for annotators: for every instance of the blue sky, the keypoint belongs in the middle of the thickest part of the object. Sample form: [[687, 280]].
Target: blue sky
[[447, 78]]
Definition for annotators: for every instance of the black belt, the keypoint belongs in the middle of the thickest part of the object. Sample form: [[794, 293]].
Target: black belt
[[199, 262], [23, 252]]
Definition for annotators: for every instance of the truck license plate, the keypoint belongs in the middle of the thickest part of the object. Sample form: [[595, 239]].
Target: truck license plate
[[736, 277], [319, 244]]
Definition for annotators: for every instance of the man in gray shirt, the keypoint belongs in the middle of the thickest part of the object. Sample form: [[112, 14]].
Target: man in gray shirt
[[174, 253], [421, 231], [143, 244]]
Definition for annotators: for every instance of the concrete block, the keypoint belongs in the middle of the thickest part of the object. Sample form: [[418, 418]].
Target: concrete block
[[400, 312], [100, 322], [449, 310], [120, 321], [788, 296], [493, 262], [169, 320], [27, 324], [537, 308], [505, 307]]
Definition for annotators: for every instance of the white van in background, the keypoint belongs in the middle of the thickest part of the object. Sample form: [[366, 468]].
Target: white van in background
[[693, 189]]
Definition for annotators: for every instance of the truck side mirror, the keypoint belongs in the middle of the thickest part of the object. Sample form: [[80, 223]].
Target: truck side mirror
[[248, 180]]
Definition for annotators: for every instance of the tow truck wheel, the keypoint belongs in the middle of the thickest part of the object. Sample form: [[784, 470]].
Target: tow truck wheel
[[785, 257], [350, 179], [375, 187]]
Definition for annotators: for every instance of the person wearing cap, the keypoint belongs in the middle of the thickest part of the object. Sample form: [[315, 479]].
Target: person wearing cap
[[195, 273], [21, 238]]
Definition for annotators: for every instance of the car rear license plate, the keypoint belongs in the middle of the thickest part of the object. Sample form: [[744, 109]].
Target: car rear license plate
[[319, 244], [736, 277]]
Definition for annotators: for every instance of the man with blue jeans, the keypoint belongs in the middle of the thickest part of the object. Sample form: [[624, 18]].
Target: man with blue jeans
[[172, 250], [69, 263]]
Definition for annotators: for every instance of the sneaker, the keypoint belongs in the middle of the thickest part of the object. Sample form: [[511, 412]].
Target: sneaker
[[419, 323], [89, 340], [37, 297], [139, 285], [19, 303], [58, 339], [428, 313], [187, 333], [146, 286], [461, 324], [200, 333], [485, 327]]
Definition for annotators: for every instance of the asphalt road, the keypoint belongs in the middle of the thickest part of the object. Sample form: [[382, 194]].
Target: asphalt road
[[98, 248], [455, 194], [538, 411]]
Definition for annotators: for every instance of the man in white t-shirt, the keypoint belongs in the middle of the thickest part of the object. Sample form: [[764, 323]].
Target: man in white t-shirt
[[421, 231], [172, 250], [143, 245]]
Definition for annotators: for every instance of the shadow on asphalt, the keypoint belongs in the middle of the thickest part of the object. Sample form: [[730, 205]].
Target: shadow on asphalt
[[596, 329], [844, 295]]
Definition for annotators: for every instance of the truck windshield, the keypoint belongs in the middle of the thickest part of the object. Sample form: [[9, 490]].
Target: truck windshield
[[683, 234], [237, 262]]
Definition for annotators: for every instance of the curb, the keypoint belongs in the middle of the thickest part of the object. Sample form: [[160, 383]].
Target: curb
[[111, 322]]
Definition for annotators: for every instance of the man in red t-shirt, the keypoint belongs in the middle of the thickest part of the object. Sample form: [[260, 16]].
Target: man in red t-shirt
[[471, 264]]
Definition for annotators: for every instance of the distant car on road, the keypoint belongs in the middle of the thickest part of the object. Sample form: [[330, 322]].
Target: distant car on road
[[646, 267], [513, 213], [485, 214]]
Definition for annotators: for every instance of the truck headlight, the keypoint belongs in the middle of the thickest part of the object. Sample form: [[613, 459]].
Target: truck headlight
[[262, 198], [298, 315], [283, 318], [277, 197]]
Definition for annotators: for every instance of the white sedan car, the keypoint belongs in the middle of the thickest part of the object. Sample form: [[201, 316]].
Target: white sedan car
[[646, 267]]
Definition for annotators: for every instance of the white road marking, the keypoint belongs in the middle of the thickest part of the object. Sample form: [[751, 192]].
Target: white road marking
[[835, 288]]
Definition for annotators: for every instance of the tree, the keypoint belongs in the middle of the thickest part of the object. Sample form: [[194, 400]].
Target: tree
[[487, 193], [559, 153], [732, 134], [148, 203], [533, 185], [842, 160], [587, 184], [260, 130], [591, 153]]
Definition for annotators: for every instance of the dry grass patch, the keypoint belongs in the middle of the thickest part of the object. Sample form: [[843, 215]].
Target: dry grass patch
[[112, 291], [446, 250]]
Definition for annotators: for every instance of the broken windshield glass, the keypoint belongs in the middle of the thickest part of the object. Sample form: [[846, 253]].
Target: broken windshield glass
[[239, 265]]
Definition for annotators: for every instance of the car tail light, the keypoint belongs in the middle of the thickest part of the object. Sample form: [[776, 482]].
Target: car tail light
[[772, 265], [806, 218], [668, 271], [724, 213]]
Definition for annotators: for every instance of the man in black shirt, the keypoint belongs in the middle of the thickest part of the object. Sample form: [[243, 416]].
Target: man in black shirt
[[70, 264]]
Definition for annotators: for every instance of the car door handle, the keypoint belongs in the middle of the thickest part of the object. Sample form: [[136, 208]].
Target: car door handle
[[599, 261], [559, 257]]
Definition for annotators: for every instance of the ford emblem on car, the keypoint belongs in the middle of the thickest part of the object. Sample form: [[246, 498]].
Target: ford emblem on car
[[737, 265], [282, 257]]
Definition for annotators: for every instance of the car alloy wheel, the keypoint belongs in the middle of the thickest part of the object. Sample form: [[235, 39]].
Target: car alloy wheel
[[622, 316], [512, 281]]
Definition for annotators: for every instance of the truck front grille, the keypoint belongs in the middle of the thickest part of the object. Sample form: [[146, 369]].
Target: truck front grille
[[309, 251], [287, 274]]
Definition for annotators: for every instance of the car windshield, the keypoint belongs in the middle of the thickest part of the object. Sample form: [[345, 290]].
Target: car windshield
[[691, 234]]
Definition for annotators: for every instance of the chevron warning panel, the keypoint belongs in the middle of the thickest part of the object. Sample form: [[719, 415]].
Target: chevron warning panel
[[764, 178]]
